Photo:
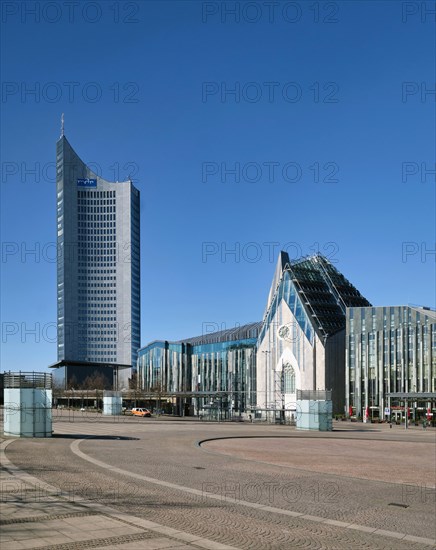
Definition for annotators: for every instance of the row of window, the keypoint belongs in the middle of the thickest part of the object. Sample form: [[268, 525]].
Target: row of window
[[97, 218], [96, 194], [91, 291], [395, 313], [95, 280], [97, 261], [89, 339], [95, 210], [90, 345], [96, 271], [91, 301], [100, 311], [104, 202], [83, 243], [91, 226], [97, 238], [98, 355], [98, 333], [97, 318], [85, 229]]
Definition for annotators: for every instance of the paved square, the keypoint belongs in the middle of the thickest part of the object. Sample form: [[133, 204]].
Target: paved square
[[129, 483]]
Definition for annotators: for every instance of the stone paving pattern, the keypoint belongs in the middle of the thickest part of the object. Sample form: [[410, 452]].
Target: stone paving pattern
[[258, 497]]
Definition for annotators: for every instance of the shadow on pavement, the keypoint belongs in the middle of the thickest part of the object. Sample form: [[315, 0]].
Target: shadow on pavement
[[87, 436]]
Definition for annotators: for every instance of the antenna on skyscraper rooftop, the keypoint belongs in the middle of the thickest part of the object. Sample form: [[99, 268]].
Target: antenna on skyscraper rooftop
[[62, 125]]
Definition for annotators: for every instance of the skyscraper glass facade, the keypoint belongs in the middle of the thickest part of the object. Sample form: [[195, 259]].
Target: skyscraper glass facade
[[98, 268]]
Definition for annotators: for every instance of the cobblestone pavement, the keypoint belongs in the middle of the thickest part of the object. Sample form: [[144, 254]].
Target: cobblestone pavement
[[152, 485]]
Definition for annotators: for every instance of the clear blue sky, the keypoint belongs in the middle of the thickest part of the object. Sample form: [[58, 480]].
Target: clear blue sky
[[146, 90]]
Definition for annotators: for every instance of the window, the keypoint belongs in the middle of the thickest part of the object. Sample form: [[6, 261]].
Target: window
[[288, 379]]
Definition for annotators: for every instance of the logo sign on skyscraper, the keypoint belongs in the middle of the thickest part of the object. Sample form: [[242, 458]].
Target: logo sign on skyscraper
[[86, 182]]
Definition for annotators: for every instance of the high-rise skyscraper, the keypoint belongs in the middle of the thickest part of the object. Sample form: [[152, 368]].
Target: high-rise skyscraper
[[98, 271]]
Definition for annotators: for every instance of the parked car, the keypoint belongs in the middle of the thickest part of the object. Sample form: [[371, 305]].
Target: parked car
[[140, 412]]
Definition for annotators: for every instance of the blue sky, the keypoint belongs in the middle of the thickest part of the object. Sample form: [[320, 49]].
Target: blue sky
[[326, 143]]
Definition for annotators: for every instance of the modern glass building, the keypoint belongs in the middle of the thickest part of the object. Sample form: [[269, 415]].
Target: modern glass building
[[301, 344], [98, 271], [390, 350], [213, 370], [258, 368]]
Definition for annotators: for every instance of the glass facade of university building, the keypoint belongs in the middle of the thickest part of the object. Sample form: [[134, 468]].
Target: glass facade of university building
[[213, 370], [318, 334], [301, 344], [390, 350], [258, 368], [98, 270]]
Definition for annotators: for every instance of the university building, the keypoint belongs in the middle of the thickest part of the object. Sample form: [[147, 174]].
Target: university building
[[258, 368], [212, 374], [390, 357], [301, 345], [98, 274]]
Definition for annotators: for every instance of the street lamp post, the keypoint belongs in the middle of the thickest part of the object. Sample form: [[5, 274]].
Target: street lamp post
[[266, 352]]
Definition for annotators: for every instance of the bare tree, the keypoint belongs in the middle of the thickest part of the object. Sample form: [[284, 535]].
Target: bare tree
[[133, 381], [96, 381], [72, 383], [157, 389]]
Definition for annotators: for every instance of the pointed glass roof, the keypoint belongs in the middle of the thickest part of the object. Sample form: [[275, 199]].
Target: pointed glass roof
[[323, 291]]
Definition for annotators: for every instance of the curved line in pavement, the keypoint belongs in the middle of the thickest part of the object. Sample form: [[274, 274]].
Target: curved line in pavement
[[205, 494], [162, 530]]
